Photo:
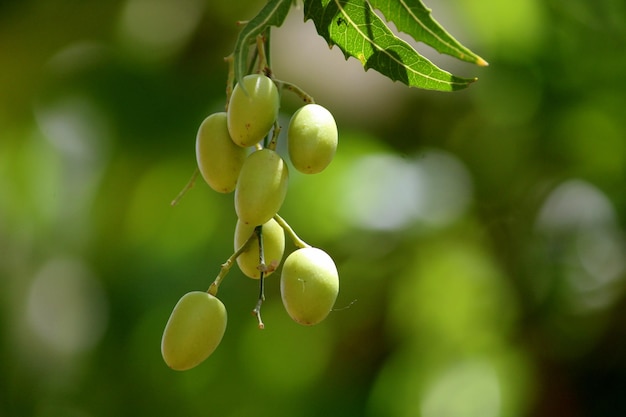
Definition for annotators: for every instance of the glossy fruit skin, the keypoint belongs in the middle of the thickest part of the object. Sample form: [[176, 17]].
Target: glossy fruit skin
[[261, 188], [251, 113], [309, 285], [219, 159], [273, 247], [194, 330], [312, 139]]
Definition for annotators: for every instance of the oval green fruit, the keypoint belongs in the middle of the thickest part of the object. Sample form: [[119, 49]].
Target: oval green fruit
[[194, 330], [219, 159], [251, 113], [261, 187], [309, 285], [273, 247], [312, 139]]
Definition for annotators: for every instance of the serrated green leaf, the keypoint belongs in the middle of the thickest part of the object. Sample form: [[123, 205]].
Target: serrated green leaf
[[359, 32], [272, 14], [414, 18]]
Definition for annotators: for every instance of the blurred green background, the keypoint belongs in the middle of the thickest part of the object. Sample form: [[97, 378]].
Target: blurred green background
[[479, 235]]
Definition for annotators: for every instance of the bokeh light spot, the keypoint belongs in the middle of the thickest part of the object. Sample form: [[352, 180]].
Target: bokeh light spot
[[468, 389], [387, 192], [573, 205], [67, 306], [157, 29], [577, 227]]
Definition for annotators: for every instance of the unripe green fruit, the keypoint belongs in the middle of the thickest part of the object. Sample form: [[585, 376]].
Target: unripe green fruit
[[251, 113], [219, 159], [261, 187], [193, 331], [309, 285], [312, 139], [273, 247]]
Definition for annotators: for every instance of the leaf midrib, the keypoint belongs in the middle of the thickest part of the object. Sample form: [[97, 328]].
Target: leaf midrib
[[383, 50]]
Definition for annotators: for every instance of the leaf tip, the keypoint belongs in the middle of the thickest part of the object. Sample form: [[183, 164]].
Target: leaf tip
[[481, 62], [361, 57]]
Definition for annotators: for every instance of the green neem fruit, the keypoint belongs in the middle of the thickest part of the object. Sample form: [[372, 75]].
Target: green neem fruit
[[273, 247], [261, 187], [312, 139], [219, 159], [193, 331], [251, 113], [309, 285]]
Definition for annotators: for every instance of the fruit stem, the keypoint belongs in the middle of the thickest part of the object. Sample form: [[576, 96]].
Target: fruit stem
[[307, 98], [260, 47], [231, 78], [257, 309], [275, 133], [187, 187], [299, 243], [258, 231], [225, 267], [267, 51]]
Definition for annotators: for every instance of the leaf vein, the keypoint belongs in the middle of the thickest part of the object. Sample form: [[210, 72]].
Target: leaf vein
[[427, 29], [383, 50]]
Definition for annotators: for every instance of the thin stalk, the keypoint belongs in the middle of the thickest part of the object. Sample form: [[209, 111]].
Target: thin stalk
[[299, 243], [260, 47], [230, 82], [304, 96], [268, 55], [187, 187], [272, 144], [258, 231], [225, 267]]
